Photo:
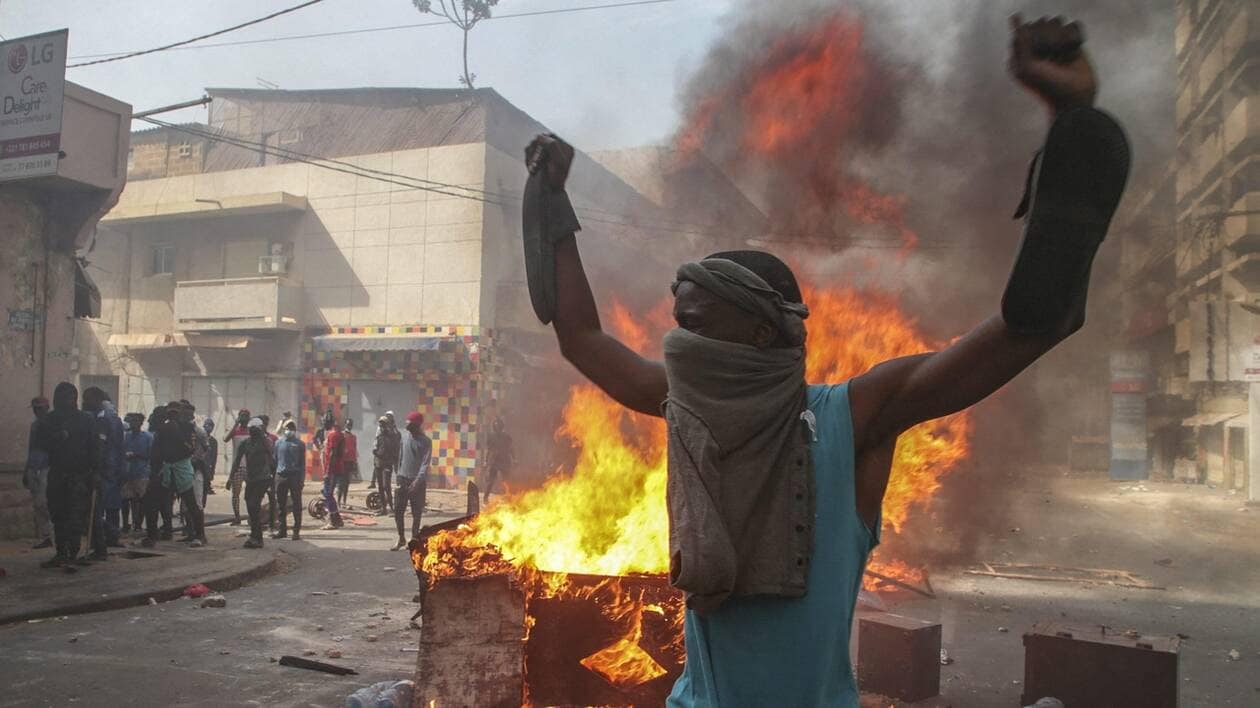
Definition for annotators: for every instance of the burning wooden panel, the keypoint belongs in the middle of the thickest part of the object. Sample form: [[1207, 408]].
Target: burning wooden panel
[[580, 653], [472, 644]]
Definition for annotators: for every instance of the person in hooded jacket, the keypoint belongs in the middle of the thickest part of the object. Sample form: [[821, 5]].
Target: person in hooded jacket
[[69, 436]]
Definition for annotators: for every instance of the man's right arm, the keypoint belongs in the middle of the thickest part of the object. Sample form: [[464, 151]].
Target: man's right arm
[[630, 379]]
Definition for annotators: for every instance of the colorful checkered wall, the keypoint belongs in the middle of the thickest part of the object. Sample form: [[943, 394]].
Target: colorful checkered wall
[[450, 388]]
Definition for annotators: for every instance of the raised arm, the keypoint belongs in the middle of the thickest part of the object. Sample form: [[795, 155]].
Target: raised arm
[[631, 380], [1079, 176]]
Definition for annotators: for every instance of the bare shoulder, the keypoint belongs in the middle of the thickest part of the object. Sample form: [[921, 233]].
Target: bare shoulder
[[869, 396]]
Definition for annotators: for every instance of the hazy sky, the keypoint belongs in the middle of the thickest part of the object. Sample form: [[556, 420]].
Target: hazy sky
[[602, 78]]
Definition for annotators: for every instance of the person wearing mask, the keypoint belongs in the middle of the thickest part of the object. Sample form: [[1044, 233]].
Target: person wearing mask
[[35, 476], [212, 455], [290, 476], [137, 445], [413, 471], [107, 508], [174, 442], [285, 417], [69, 436], [256, 457], [236, 474], [334, 470], [385, 451], [500, 456], [350, 465]]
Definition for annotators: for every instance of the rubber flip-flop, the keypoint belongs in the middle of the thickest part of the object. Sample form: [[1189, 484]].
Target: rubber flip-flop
[[1074, 188], [546, 215]]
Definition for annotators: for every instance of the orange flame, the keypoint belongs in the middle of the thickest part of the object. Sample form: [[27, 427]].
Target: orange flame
[[608, 517], [796, 113]]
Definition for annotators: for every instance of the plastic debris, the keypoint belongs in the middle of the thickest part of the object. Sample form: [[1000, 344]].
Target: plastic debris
[[946, 659], [196, 590], [214, 601]]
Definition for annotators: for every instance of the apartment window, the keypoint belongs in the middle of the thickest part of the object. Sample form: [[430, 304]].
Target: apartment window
[[184, 150], [163, 259]]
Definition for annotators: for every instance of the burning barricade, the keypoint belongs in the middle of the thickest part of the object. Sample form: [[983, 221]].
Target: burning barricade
[[567, 583]]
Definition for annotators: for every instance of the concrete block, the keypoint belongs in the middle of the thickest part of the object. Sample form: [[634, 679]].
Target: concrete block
[[1089, 666], [899, 657]]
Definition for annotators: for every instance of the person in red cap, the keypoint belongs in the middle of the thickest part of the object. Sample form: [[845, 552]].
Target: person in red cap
[[413, 471]]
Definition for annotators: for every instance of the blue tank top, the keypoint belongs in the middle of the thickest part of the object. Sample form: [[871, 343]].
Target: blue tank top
[[764, 650]]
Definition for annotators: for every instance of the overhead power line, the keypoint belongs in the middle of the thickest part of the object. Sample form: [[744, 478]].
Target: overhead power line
[[590, 214], [128, 55], [341, 33]]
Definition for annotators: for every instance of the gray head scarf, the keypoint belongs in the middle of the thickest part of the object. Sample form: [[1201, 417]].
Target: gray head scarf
[[748, 291]]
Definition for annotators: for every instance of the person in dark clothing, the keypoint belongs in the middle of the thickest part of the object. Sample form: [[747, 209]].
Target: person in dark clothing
[[500, 456], [212, 455], [272, 439], [260, 464], [326, 420], [155, 494], [174, 443], [69, 436], [109, 434], [35, 477], [290, 476], [385, 451]]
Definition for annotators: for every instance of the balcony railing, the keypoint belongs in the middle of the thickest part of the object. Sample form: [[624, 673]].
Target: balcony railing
[[238, 304]]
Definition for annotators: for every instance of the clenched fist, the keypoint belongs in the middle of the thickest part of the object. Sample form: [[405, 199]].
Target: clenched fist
[[1047, 57]]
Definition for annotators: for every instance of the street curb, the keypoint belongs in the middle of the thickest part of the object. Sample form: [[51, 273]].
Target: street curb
[[280, 562]]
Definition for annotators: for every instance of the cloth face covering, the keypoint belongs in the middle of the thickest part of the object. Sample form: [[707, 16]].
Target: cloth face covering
[[741, 484]]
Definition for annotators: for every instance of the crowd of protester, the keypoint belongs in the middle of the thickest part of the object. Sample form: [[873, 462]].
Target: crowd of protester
[[93, 473]]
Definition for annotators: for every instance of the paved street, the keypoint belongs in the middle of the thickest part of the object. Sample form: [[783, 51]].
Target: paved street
[[1208, 563], [176, 654]]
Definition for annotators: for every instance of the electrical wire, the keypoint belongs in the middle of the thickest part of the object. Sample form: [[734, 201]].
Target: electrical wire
[[173, 45], [341, 33], [646, 227]]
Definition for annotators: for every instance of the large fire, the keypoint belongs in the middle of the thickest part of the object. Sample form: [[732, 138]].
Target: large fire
[[607, 515]]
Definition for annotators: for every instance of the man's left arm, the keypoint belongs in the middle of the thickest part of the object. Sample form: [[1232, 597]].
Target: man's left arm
[[1073, 192], [899, 394]]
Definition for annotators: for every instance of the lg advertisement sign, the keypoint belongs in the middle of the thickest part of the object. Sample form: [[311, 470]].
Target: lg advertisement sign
[[32, 82]]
